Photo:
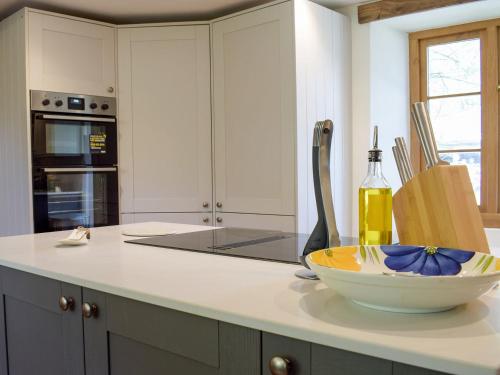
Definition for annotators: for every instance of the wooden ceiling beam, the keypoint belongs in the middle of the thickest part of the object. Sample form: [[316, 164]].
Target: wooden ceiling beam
[[383, 9]]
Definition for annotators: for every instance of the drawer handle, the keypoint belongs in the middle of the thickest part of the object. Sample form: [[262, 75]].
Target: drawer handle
[[66, 303], [280, 366], [205, 204], [219, 220], [206, 220], [219, 204], [89, 310]]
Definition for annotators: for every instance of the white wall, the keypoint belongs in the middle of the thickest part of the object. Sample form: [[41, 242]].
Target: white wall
[[380, 96]]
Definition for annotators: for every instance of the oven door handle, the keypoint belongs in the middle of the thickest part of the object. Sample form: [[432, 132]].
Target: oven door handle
[[79, 118], [83, 169]]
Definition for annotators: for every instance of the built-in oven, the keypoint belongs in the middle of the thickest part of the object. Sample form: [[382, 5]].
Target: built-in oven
[[73, 140], [65, 198], [74, 159]]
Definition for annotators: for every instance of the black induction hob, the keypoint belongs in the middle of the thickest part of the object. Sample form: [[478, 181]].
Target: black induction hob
[[247, 243]]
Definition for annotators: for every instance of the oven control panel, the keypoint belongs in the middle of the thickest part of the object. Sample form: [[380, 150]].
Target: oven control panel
[[48, 101]]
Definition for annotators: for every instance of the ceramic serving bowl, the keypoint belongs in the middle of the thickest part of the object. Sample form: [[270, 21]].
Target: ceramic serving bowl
[[410, 279]]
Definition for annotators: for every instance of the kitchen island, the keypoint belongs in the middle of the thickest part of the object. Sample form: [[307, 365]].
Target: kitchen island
[[148, 309]]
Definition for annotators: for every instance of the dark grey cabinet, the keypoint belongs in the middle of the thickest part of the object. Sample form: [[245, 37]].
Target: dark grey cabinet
[[52, 328], [37, 335], [127, 337], [304, 358]]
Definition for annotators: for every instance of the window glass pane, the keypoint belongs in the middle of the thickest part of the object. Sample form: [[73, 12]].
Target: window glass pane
[[456, 122], [473, 162], [454, 68]]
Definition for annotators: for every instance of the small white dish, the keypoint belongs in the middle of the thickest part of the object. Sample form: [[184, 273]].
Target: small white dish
[[79, 236], [68, 242], [408, 279]]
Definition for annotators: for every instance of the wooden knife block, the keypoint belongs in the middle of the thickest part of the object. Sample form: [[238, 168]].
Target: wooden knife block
[[438, 208]]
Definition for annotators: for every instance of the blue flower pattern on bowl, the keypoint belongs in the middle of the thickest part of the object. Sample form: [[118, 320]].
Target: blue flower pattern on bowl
[[425, 260]]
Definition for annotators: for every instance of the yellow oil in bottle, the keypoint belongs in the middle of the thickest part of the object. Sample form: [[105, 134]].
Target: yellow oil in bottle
[[375, 216]]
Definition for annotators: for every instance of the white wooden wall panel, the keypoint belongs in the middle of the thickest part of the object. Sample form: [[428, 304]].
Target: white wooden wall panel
[[323, 79], [15, 178], [164, 119], [254, 111], [267, 222], [72, 56]]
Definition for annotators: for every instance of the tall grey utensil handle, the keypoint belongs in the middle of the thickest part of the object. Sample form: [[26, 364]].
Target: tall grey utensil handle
[[325, 182]]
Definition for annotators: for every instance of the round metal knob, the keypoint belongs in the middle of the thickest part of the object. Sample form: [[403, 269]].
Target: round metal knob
[[205, 204], [66, 303], [280, 366], [206, 220], [89, 310], [219, 204], [111, 89], [219, 220]]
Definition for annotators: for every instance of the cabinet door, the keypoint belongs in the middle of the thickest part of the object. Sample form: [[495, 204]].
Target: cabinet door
[[164, 117], [71, 56], [40, 337], [196, 218], [254, 112], [267, 222], [128, 337]]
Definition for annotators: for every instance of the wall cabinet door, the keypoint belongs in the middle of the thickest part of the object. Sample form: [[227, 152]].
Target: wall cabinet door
[[128, 337], [254, 111], [40, 338], [71, 56], [266, 222], [165, 119]]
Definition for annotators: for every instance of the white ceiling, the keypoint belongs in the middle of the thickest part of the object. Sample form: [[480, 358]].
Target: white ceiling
[[125, 11]]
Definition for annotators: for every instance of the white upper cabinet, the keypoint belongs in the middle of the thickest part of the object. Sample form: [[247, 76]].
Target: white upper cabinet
[[68, 55], [254, 111], [165, 119]]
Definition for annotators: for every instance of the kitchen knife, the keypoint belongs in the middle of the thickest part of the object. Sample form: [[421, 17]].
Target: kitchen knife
[[397, 158], [426, 135], [405, 157], [419, 127]]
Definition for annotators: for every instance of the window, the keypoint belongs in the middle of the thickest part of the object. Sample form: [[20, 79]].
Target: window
[[455, 71]]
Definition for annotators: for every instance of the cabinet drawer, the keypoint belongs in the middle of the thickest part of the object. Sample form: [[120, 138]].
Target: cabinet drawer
[[402, 369], [331, 361], [179, 333], [297, 352], [30, 288]]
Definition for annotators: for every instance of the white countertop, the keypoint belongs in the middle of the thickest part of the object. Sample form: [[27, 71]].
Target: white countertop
[[265, 296]]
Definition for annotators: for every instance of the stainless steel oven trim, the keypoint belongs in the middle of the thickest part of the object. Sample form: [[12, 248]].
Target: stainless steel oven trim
[[78, 118], [83, 169]]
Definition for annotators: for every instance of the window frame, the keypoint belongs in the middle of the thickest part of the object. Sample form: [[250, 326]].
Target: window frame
[[489, 34]]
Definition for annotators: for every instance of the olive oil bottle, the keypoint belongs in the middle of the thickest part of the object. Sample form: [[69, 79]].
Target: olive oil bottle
[[375, 202]]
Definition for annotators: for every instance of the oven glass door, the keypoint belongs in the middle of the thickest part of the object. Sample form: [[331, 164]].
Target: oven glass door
[[65, 198], [66, 140]]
